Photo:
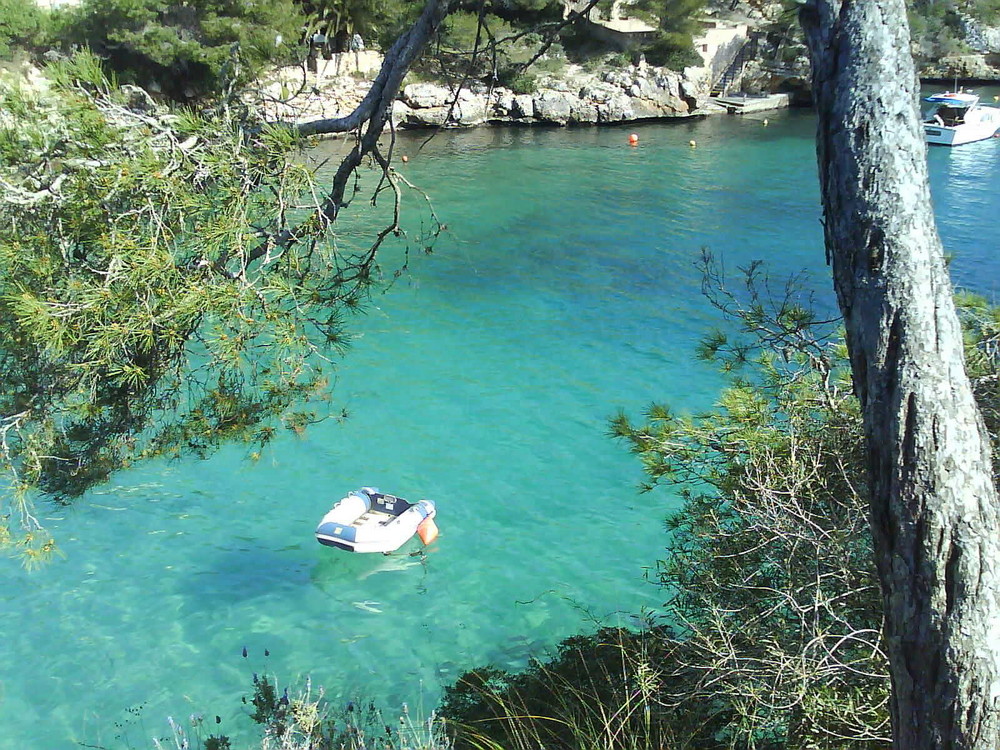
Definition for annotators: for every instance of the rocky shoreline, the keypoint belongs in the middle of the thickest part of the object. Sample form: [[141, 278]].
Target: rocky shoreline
[[575, 97]]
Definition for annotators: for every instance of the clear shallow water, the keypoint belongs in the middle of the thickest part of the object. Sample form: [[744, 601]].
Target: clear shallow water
[[564, 289]]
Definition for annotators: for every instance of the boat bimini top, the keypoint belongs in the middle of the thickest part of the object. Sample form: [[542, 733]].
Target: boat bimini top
[[954, 99]]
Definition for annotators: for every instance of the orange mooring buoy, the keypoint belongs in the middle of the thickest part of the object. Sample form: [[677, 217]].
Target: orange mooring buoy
[[633, 140], [427, 530]]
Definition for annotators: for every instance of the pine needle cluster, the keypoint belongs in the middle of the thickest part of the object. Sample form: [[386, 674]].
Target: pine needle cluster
[[169, 281]]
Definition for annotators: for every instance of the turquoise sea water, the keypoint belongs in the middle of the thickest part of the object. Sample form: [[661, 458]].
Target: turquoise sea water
[[565, 288]]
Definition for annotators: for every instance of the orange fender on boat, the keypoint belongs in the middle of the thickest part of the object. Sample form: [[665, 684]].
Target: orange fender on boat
[[427, 530]]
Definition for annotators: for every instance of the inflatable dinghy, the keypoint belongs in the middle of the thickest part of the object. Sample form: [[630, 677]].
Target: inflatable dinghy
[[370, 521]]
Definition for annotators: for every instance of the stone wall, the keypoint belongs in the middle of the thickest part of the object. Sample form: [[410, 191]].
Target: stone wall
[[719, 44]]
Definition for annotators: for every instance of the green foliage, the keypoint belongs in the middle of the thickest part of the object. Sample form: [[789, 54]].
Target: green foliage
[[672, 50], [769, 564], [461, 30], [987, 11], [517, 81], [769, 569], [935, 28], [530, 10], [21, 25], [219, 742], [268, 708], [551, 64], [598, 691], [167, 284], [981, 326], [495, 43], [306, 721], [186, 50], [678, 22], [380, 20], [484, 47]]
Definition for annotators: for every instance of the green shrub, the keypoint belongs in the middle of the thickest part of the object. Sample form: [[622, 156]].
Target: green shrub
[[672, 50], [529, 11], [461, 27], [305, 720], [598, 691], [936, 29], [517, 80], [769, 561], [678, 21], [185, 51], [551, 64], [770, 564], [987, 11], [21, 25]]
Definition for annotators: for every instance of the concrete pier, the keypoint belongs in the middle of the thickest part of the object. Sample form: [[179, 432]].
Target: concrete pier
[[741, 104]]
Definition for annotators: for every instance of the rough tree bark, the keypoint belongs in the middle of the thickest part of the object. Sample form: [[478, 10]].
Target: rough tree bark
[[935, 517]]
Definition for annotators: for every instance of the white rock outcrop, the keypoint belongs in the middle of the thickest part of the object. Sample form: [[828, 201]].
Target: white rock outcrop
[[620, 95], [573, 97]]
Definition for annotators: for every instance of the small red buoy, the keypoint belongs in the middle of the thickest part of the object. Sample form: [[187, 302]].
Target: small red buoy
[[633, 140], [405, 158]]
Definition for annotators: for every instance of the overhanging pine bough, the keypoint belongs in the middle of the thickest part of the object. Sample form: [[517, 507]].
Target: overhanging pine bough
[[162, 290]]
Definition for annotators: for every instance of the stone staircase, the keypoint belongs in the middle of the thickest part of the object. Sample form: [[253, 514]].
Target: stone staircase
[[734, 71]]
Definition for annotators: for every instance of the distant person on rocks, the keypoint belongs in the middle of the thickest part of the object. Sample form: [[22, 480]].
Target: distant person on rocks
[[357, 47]]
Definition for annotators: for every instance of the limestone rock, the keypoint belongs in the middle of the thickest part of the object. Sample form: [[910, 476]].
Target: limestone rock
[[975, 67], [617, 108], [576, 95], [598, 93], [616, 78], [693, 90], [401, 112], [470, 110], [137, 99], [503, 102], [583, 111], [425, 117], [426, 95], [523, 106], [982, 39], [554, 106]]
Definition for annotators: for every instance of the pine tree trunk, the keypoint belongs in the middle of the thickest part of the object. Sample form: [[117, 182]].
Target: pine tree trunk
[[935, 516]]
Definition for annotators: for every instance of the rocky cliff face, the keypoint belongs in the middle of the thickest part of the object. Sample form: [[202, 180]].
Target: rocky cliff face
[[984, 40], [982, 63], [963, 68]]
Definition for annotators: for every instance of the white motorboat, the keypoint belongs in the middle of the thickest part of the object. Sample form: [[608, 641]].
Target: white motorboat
[[367, 520], [954, 118]]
